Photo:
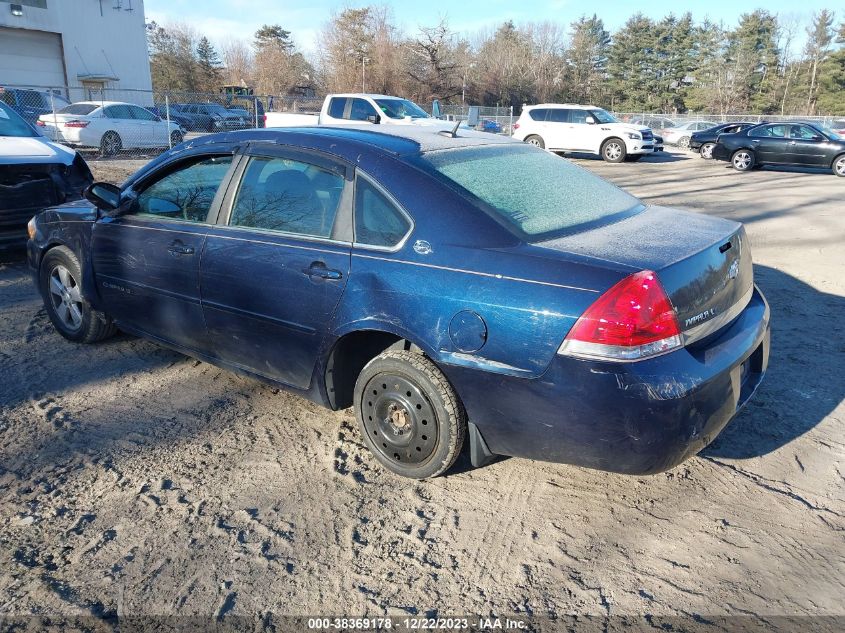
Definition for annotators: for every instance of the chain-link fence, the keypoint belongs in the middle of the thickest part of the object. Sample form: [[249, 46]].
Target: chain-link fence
[[660, 120], [113, 124]]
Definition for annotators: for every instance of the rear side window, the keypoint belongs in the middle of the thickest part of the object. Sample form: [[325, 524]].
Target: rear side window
[[538, 114], [13, 125], [336, 107], [118, 112], [287, 195], [559, 115], [378, 222], [535, 193]]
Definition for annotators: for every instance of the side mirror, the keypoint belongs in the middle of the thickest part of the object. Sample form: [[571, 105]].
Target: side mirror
[[590, 120], [103, 194], [817, 138], [374, 118]]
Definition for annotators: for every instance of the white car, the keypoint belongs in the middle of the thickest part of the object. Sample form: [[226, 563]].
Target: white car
[[582, 128], [356, 109], [680, 133], [110, 126]]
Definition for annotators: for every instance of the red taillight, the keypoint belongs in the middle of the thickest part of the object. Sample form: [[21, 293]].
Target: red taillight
[[76, 124], [632, 320], [39, 123], [516, 126]]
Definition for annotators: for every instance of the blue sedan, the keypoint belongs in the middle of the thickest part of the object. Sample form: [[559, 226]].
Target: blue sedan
[[447, 285]]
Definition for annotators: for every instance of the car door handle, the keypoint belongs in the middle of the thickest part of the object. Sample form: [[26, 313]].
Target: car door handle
[[178, 248], [792, 143], [318, 269]]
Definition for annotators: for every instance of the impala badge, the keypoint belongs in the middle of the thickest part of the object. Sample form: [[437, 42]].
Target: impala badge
[[733, 271], [422, 247]]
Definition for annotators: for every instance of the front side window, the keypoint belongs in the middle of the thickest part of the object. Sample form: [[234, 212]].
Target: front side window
[[278, 194], [378, 222], [185, 194], [802, 132], [400, 108], [601, 116], [534, 193], [361, 109], [142, 114], [578, 116]]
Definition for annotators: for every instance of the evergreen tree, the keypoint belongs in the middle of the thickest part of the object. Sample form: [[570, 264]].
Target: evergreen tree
[[820, 36], [631, 65], [209, 67], [587, 59]]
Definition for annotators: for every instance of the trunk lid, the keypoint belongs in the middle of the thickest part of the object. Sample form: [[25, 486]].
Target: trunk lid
[[703, 263]]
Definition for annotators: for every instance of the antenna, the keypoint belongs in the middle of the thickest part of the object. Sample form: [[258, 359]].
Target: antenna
[[453, 133]]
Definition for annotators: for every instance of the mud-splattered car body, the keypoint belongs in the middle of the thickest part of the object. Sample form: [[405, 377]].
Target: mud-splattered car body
[[494, 306]]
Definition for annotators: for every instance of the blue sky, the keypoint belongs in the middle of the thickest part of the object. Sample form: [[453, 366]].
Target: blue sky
[[222, 20]]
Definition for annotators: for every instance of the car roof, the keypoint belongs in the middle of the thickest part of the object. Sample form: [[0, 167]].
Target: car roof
[[562, 106], [366, 94], [101, 103]]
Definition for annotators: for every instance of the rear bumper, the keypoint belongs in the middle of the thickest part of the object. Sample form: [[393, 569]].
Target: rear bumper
[[634, 418]]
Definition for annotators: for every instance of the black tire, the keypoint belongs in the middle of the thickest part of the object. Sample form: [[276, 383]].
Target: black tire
[[613, 150], [743, 160], [76, 321], [536, 141], [176, 137], [838, 165], [110, 143], [706, 150], [418, 435]]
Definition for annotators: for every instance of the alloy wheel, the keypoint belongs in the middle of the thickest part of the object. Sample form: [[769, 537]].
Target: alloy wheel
[[683, 143], [534, 141], [613, 151], [840, 166], [399, 419], [707, 150], [66, 298], [742, 161]]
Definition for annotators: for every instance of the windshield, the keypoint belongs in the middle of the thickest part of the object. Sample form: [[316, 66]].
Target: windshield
[[79, 108], [400, 108], [602, 116], [537, 194], [12, 125], [833, 136]]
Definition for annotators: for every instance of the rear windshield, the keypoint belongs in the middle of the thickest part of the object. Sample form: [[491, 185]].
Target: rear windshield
[[537, 194], [79, 108], [12, 125]]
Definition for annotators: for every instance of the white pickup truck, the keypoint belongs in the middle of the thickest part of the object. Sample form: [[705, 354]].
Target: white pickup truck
[[354, 109]]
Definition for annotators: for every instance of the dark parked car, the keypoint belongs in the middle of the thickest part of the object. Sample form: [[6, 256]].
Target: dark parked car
[[185, 121], [31, 104], [704, 141], [35, 173], [219, 118], [793, 143], [443, 284]]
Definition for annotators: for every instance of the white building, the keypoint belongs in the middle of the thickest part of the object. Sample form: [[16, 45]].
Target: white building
[[87, 45]]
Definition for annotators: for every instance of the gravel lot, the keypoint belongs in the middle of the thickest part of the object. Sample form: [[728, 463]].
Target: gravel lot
[[136, 481]]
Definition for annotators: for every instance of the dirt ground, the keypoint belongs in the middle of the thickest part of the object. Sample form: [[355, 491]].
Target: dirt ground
[[136, 481]]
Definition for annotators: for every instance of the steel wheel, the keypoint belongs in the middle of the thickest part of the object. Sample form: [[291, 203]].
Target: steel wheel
[[399, 419], [839, 166], [408, 414], [743, 160], [706, 150], [683, 142], [66, 298]]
